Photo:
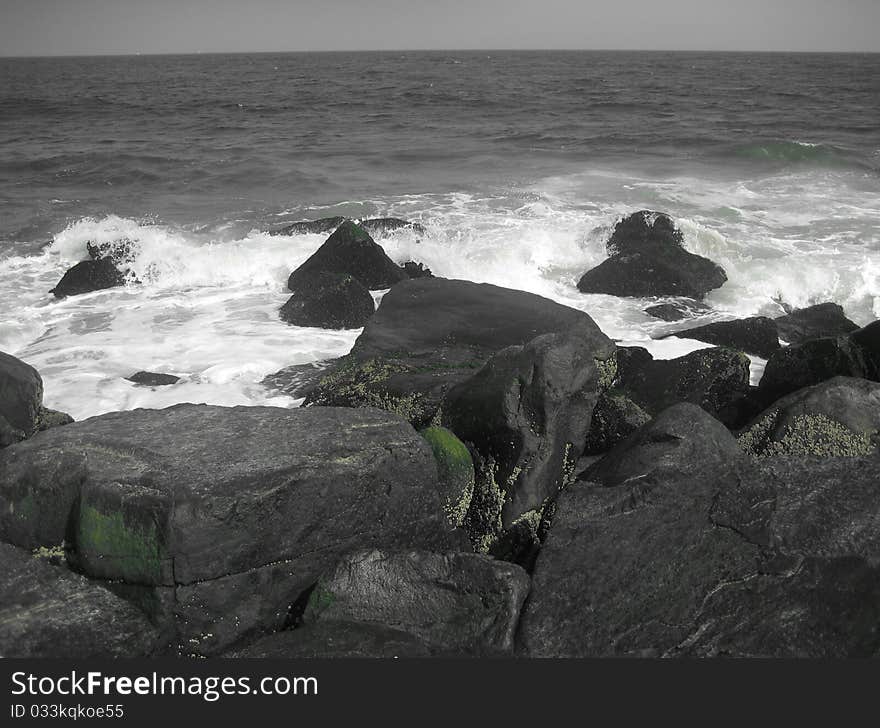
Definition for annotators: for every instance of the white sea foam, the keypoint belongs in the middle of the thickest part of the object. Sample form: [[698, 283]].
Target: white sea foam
[[206, 308]]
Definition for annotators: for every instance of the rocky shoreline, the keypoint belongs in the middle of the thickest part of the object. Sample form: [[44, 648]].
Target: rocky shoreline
[[486, 473]]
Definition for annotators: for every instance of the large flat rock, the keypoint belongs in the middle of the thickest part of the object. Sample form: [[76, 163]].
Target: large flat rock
[[224, 514]]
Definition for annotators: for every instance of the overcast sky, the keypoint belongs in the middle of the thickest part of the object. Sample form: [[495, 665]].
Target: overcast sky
[[63, 27]]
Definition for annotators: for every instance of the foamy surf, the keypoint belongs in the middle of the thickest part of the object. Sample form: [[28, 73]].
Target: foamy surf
[[205, 304]]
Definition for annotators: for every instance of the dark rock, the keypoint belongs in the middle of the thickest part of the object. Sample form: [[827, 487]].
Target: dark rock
[[311, 227], [777, 559], [802, 365], [521, 543], [8, 434], [87, 276], [338, 640], [756, 335], [678, 310], [647, 259], [463, 603], [21, 395], [221, 516], [298, 380], [349, 251], [379, 226], [615, 417], [121, 253], [814, 322], [329, 301], [455, 469], [430, 334], [716, 379], [153, 379], [47, 611], [839, 417], [529, 409], [682, 439], [47, 418], [417, 270]]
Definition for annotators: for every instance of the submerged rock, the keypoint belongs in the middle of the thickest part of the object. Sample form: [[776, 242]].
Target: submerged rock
[[329, 301], [349, 251], [460, 603], [839, 417], [430, 334], [314, 227], [756, 335], [777, 559], [678, 310], [417, 270], [384, 225], [121, 252], [217, 518], [153, 379], [814, 322], [47, 611], [647, 258], [88, 276], [21, 397]]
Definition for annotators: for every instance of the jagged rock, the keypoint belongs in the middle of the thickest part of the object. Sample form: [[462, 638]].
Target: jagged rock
[[716, 379], [47, 611], [329, 301], [21, 396], [802, 365], [383, 225], [417, 270], [647, 258], [529, 409], [839, 417], [678, 310], [814, 322], [88, 276], [615, 417], [47, 418], [680, 440], [777, 559], [462, 603], [349, 251], [430, 334], [220, 517], [153, 379], [756, 335], [121, 252]]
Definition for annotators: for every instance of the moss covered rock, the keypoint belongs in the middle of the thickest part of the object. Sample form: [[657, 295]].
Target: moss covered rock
[[455, 468]]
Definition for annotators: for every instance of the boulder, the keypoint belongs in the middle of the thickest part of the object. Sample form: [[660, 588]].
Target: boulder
[[329, 301], [88, 276], [47, 611], [685, 308], [773, 559], [221, 516], [528, 409], [647, 258], [682, 439], [756, 335], [429, 334], [802, 365], [153, 379], [461, 603], [716, 379], [48, 418], [814, 322], [337, 639], [615, 417], [839, 417], [21, 396], [349, 251]]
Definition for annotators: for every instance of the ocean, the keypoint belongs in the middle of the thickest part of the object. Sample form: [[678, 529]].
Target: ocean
[[518, 164]]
